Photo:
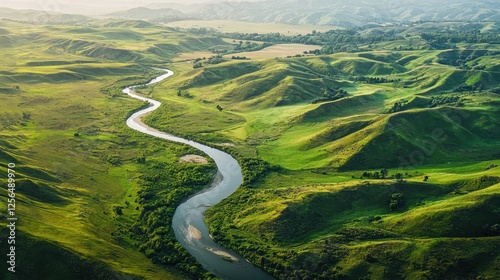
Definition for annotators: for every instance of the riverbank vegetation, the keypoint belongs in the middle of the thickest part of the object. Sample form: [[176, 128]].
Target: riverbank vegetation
[[164, 185]]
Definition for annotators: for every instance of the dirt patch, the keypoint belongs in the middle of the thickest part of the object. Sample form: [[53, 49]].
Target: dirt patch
[[193, 159]]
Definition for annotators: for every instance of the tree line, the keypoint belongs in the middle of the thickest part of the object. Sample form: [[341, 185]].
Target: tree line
[[353, 39]]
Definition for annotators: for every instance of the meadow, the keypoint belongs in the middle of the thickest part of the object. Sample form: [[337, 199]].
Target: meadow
[[79, 169], [376, 163], [397, 179]]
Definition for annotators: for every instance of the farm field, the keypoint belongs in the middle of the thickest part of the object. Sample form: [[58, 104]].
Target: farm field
[[281, 50]]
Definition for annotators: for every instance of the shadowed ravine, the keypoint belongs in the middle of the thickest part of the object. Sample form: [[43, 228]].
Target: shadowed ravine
[[188, 222]]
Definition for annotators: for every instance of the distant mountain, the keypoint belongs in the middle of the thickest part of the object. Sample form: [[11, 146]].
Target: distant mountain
[[161, 14], [33, 16], [332, 12]]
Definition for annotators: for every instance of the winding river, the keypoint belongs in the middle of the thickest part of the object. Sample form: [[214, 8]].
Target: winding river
[[188, 221]]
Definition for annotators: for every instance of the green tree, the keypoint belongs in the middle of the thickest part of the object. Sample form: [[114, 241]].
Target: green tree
[[384, 172], [396, 201], [118, 210], [399, 177]]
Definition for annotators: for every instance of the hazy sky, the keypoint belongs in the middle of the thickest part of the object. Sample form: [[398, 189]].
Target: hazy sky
[[92, 6]]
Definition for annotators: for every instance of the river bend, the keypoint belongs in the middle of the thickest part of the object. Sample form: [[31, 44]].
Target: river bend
[[188, 221]]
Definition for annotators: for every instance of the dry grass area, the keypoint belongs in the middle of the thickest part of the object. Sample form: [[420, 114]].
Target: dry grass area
[[251, 27], [193, 159], [281, 50]]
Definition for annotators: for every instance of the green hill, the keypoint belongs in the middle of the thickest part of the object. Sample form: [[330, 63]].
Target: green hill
[[78, 167], [349, 231], [329, 211], [373, 164]]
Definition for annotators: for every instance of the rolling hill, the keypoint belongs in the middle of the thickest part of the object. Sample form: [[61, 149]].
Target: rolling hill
[[398, 179], [79, 169], [337, 13], [380, 163]]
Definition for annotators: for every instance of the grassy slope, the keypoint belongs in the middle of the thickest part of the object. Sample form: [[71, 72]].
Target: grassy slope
[[346, 230], [267, 113], [69, 185], [310, 218], [267, 103]]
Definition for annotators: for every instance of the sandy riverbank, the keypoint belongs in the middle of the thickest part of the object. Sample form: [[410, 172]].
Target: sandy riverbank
[[194, 232], [224, 255], [193, 159]]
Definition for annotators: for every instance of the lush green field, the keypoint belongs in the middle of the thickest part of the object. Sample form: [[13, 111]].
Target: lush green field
[[328, 212], [268, 105], [375, 164], [81, 174]]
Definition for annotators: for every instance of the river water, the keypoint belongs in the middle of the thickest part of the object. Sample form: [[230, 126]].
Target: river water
[[188, 221]]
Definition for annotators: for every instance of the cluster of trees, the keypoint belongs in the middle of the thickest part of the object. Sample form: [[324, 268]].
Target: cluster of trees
[[197, 65], [250, 46], [219, 51], [238, 57], [254, 169], [449, 39], [332, 40], [164, 187], [376, 175], [491, 166], [464, 87], [330, 94], [297, 55], [316, 52], [396, 201], [184, 94], [470, 88], [453, 100], [216, 59], [353, 39], [461, 58], [435, 101], [383, 174], [375, 80], [398, 106]]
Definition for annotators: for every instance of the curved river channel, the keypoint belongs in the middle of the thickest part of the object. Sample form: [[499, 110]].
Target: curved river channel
[[188, 222]]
